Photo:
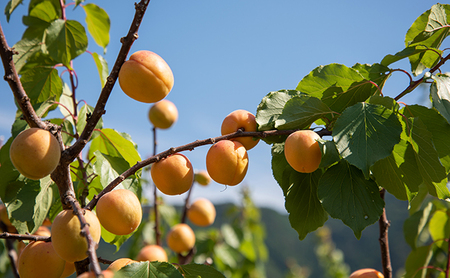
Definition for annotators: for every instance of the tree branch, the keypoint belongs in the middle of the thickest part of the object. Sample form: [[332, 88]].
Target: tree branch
[[99, 109]]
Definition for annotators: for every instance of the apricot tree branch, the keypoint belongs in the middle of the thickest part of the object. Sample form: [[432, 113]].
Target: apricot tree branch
[[24, 237], [190, 147], [99, 109], [384, 241], [13, 80], [92, 245]]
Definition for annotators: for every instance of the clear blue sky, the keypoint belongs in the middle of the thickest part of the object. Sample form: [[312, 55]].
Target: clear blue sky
[[227, 55]]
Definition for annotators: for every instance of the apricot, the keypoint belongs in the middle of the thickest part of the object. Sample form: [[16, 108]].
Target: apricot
[[240, 119], [39, 259], [173, 175], [202, 212], [35, 153], [69, 269], [302, 151], [366, 273], [181, 238], [152, 252], [4, 216], [106, 274], [163, 114], [146, 77], [227, 162], [41, 231], [202, 177], [66, 237], [119, 211], [119, 263]]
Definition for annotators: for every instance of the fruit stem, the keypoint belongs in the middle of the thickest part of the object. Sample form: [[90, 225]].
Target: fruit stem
[[384, 241]]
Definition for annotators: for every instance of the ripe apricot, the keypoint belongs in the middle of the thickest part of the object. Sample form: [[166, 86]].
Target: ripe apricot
[[227, 162], [146, 77], [69, 269], [302, 151], [173, 175], [66, 237], [4, 215], [202, 212], [202, 177], [35, 153], [106, 274], [152, 252], [119, 263], [163, 114], [240, 119], [119, 211], [39, 259], [181, 238], [366, 273]]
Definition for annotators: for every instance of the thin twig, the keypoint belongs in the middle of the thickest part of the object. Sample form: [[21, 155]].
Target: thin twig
[[12, 253], [384, 241], [186, 205], [155, 196]]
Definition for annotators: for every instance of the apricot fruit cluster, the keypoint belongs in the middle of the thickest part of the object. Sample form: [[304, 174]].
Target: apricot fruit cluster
[[119, 211], [146, 77], [302, 151], [35, 153]]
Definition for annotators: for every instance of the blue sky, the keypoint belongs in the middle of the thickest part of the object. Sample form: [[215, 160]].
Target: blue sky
[[227, 55]]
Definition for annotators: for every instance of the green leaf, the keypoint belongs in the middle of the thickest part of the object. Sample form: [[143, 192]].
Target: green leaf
[[98, 24], [306, 213], [83, 115], [410, 51], [10, 7], [330, 154], [116, 144], [366, 133], [415, 225], [300, 112], [28, 203], [417, 261], [65, 40], [347, 195], [271, 107], [427, 31], [437, 126], [336, 85], [440, 95], [149, 270], [102, 67], [8, 172], [439, 228], [56, 5], [25, 48], [66, 128], [433, 173], [200, 271], [44, 11], [376, 73], [40, 79], [116, 240]]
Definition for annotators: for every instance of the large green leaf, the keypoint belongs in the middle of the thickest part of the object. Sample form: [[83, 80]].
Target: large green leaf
[[437, 126], [376, 73], [347, 195], [65, 40], [149, 270], [428, 30], [306, 213], [98, 24], [440, 95], [409, 51], [366, 133], [199, 271], [271, 107], [433, 172], [417, 262], [25, 48], [300, 112], [336, 85], [8, 172]]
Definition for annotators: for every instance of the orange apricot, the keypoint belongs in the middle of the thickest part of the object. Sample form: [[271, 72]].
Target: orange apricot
[[181, 238], [202, 212], [152, 252], [302, 151], [163, 114], [366, 273], [240, 119], [173, 175]]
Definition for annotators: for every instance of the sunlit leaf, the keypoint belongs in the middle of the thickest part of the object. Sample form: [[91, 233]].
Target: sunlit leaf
[[83, 115], [410, 51], [65, 40], [199, 271], [418, 259], [440, 95], [366, 133], [102, 67], [347, 195], [439, 228], [149, 270], [415, 225], [98, 24], [10, 7]]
